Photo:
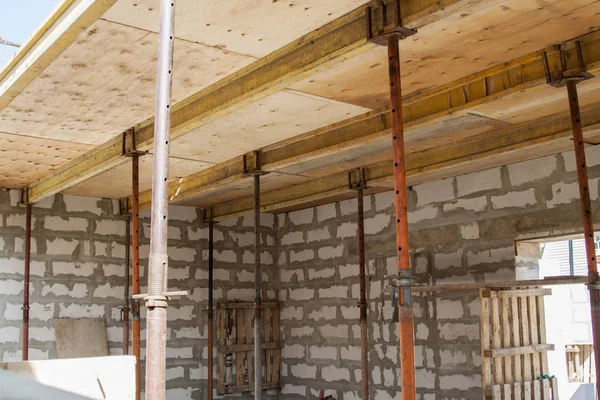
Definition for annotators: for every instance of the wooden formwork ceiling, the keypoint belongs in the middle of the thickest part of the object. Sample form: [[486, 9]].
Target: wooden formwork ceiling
[[473, 69]]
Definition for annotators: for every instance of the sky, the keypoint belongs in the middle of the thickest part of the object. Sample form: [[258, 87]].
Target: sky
[[18, 20]]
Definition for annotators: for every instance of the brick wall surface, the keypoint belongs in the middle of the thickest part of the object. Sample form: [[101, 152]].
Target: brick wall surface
[[461, 230], [78, 270]]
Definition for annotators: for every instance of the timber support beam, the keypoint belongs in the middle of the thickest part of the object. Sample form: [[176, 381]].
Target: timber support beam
[[343, 38], [420, 110]]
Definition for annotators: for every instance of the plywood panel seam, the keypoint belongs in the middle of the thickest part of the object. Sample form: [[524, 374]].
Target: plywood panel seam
[[149, 32]]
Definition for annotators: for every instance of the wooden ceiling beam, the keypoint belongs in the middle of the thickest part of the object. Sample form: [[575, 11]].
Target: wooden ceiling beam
[[434, 163], [341, 39], [445, 102]]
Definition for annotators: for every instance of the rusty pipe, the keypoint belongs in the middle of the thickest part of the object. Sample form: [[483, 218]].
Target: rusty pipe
[[156, 301], [258, 293], [125, 311], [588, 226], [406, 320], [26, 281], [364, 344], [135, 270], [210, 309]]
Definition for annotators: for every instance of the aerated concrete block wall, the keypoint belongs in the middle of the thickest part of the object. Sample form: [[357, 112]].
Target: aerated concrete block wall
[[462, 230], [78, 271]]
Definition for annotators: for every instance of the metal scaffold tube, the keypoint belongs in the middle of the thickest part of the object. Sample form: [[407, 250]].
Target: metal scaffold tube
[[364, 356], [405, 309], [125, 310], [157, 301], [135, 270], [26, 280], [258, 294], [588, 226], [210, 309]]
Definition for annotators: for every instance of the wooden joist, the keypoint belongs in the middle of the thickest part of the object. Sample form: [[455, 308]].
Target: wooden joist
[[372, 129], [342, 38], [437, 163]]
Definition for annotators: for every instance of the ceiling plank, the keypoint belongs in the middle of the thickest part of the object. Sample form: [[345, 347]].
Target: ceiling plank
[[484, 151], [340, 39], [55, 35], [429, 108]]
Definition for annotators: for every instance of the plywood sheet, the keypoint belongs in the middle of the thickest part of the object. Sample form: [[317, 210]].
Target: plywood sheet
[[486, 34], [253, 27], [277, 117], [116, 182], [104, 83], [543, 101], [80, 337], [23, 159]]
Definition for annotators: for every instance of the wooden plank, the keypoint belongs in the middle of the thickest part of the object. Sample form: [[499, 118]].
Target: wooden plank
[[239, 357], [534, 334], [527, 395], [335, 187], [497, 340], [518, 390], [506, 340], [250, 343], [517, 293], [485, 343], [537, 390], [267, 353], [578, 369], [497, 392], [220, 342], [546, 389], [512, 351], [554, 382], [542, 333], [277, 351], [508, 391], [516, 335], [526, 341]]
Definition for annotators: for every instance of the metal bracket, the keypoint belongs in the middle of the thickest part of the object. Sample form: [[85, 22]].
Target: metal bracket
[[578, 76], [24, 197], [130, 151], [252, 164], [160, 300], [135, 308], [394, 28], [362, 179], [124, 309], [405, 278], [593, 286]]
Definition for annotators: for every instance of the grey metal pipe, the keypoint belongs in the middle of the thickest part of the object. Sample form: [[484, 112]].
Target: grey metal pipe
[[258, 295], [157, 302]]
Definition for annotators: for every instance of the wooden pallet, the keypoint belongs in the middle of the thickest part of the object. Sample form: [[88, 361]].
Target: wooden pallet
[[513, 345], [580, 365], [235, 346]]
